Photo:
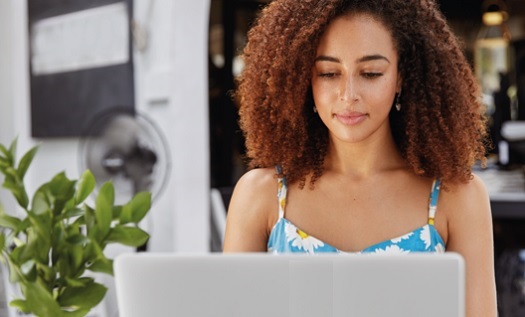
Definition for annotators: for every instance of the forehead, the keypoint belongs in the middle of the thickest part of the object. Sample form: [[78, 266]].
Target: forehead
[[359, 33]]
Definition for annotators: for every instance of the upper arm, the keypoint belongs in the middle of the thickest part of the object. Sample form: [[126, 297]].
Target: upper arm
[[253, 203], [470, 234]]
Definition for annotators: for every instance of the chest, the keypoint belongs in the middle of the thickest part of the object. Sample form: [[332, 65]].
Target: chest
[[353, 219]]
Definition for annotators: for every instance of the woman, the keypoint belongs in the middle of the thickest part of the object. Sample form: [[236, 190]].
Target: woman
[[364, 118]]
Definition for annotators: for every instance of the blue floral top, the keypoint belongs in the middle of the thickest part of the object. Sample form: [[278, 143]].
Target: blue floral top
[[285, 237]]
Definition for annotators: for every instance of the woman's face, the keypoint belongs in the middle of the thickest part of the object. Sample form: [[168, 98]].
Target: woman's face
[[355, 78]]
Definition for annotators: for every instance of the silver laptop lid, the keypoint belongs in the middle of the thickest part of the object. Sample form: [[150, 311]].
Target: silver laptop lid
[[262, 285]]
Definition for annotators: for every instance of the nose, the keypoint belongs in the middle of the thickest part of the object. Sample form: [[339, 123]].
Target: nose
[[349, 90]]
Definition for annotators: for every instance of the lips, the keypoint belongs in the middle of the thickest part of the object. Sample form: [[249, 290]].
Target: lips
[[350, 118]]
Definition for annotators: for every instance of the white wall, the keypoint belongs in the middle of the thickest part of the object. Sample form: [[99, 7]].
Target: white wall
[[172, 88], [6, 95], [6, 113]]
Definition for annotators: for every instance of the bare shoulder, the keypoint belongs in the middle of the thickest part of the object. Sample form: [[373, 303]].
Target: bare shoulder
[[468, 214], [260, 178], [467, 199], [256, 185], [252, 211]]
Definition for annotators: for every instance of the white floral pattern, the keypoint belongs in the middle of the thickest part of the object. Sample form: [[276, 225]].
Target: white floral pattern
[[301, 240], [392, 249], [285, 237], [403, 237], [425, 236]]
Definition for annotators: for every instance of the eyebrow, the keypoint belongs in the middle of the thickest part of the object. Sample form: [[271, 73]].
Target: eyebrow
[[367, 58]]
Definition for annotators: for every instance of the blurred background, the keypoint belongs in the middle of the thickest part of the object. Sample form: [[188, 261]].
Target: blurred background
[[139, 91]]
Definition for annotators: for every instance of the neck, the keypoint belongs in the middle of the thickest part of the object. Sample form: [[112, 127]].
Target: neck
[[361, 160]]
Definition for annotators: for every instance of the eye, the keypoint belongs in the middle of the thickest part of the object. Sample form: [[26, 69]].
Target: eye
[[371, 75], [327, 75]]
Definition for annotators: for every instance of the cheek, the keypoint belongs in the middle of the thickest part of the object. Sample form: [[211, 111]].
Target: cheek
[[324, 93], [380, 93]]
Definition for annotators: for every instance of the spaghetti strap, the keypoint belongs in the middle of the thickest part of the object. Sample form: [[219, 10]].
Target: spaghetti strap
[[281, 192], [432, 206]]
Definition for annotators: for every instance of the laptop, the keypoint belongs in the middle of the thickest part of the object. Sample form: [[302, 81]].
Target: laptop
[[294, 285]]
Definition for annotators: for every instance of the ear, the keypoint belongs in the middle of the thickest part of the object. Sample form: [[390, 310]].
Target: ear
[[399, 83]]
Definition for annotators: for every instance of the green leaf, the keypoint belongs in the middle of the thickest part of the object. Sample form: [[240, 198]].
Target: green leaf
[[2, 241], [40, 202], [12, 175], [117, 211], [27, 267], [46, 272], [63, 190], [36, 247], [26, 160], [85, 297], [3, 164], [25, 224], [5, 152], [70, 213], [61, 187], [15, 254], [9, 222], [20, 304], [15, 275], [27, 251], [85, 186], [18, 191], [7, 156], [90, 252], [72, 229], [78, 239], [80, 221], [12, 149], [41, 302], [95, 235], [75, 257], [104, 208], [42, 225], [79, 282], [102, 266], [70, 203], [29, 270], [135, 210], [89, 217], [63, 264], [76, 313], [126, 214], [140, 204], [93, 252], [56, 239], [130, 236]]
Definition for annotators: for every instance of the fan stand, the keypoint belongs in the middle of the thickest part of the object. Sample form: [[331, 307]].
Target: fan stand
[[137, 166]]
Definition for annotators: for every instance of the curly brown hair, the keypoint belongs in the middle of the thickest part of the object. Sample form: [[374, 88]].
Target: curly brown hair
[[441, 130]]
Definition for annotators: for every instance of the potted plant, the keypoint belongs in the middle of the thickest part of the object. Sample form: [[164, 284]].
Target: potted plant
[[49, 249]]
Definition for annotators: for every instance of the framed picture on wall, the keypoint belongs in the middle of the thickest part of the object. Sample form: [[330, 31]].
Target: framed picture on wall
[[80, 63]]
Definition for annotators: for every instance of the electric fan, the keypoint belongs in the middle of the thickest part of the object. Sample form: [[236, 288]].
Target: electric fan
[[127, 148]]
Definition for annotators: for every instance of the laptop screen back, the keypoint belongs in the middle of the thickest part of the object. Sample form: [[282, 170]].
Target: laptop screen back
[[262, 285]]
